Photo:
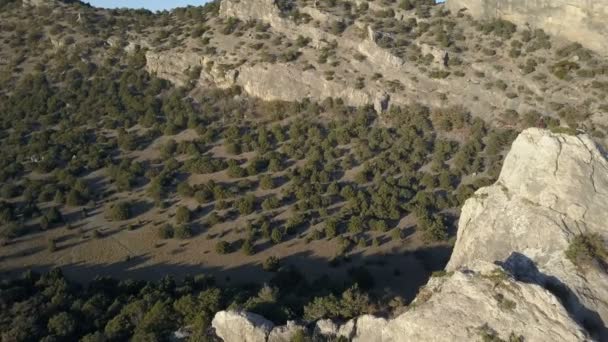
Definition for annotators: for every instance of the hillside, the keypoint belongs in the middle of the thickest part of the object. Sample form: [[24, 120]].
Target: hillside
[[296, 159]]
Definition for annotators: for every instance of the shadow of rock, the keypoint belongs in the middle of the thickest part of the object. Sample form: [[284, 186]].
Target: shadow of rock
[[525, 270]]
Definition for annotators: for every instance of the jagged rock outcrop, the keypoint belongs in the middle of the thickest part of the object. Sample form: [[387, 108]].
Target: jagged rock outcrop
[[482, 300], [552, 188], [509, 276], [285, 333], [463, 306], [241, 326], [582, 21], [250, 10]]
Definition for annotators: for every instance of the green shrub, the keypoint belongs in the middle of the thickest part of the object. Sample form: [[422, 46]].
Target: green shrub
[[166, 232], [222, 247], [271, 264], [183, 231], [276, 236], [587, 249], [247, 247], [182, 215], [120, 211]]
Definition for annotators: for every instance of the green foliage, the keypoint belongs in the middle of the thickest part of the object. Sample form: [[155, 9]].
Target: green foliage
[[62, 324], [247, 247], [120, 211], [222, 247], [271, 264], [352, 303], [166, 232], [499, 27], [182, 215], [276, 236], [563, 69], [587, 249], [183, 231]]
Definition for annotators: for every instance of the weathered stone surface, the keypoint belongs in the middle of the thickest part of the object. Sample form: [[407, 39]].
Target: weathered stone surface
[[369, 329], [248, 10], [582, 21], [282, 82], [285, 333], [241, 326], [552, 188], [36, 3], [463, 305]]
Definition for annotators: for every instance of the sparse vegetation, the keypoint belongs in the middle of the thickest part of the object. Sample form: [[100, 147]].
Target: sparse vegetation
[[587, 250], [98, 150]]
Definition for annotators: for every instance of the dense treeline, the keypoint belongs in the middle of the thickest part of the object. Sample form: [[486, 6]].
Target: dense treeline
[[51, 308]]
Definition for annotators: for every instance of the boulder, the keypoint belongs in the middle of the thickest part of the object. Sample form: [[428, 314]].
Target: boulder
[[369, 329], [235, 326]]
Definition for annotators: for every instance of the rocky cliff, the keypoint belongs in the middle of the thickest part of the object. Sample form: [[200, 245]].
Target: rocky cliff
[[509, 267], [552, 188], [582, 21], [379, 59]]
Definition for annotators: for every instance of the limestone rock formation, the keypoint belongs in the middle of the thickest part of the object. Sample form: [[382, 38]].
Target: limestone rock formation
[[466, 305], [36, 3], [241, 326], [483, 301], [250, 10], [285, 333], [582, 21], [366, 64], [552, 188]]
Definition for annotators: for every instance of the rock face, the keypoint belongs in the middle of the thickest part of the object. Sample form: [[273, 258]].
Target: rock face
[[552, 188], [464, 306], [509, 277], [366, 64], [582, 21], [482, 301], [241, 326]]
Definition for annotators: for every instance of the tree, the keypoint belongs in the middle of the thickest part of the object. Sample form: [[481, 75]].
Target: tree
[[331, 227], [185, 190], [246, 205], [166, 232], [355, 225], [182, 215], [75, 198], [62, 324], [183, 231], [222, 247], [247, 247], [266, 182], [271, 264], [270, 203], [276, 236], [120, 211]]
